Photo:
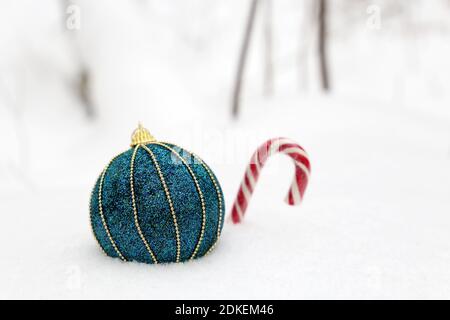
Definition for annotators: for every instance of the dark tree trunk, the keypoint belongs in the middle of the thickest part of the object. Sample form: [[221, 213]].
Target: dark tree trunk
[[322, 33], [82, 82], [243, 58], [84, 94]]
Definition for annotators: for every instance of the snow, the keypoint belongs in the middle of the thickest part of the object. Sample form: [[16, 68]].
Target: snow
[[374, 222]]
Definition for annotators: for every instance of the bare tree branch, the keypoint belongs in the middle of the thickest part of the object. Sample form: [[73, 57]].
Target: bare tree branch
[[322, 34], [83, 87], [268, 49], [243, 58], [83, 78]]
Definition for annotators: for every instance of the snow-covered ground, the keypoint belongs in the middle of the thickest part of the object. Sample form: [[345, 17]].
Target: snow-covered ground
[[375, 220]]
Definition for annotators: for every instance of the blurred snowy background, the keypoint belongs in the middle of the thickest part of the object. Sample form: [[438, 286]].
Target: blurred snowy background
[[77, 76]]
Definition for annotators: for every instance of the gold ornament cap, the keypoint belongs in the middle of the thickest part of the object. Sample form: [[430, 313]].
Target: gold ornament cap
[[141, 136]]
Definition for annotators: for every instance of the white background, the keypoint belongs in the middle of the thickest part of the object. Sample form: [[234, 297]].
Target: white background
[[375, 219]]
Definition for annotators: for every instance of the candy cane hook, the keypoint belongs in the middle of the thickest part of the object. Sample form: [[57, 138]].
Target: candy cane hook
[[259, 158]]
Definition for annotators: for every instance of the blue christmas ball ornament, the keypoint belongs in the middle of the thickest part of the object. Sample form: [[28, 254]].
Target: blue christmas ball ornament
[[156, 203]]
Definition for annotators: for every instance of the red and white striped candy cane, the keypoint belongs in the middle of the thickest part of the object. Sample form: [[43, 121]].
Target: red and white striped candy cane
[[259, 158]]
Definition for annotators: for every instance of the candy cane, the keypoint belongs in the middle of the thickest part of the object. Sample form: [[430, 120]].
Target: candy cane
[[259, 158]]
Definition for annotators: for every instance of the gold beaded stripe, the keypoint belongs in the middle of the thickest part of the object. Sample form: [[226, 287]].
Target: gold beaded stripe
[[219, 195], [92, 222], [197, 186], [135, 213], [169, 199], [219, 199], [100, 209]]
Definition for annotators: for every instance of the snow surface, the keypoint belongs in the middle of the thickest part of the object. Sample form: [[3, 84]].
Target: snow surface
[[375, 219]]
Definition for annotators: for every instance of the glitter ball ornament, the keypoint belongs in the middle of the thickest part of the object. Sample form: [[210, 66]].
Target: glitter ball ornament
[[156, 203]]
